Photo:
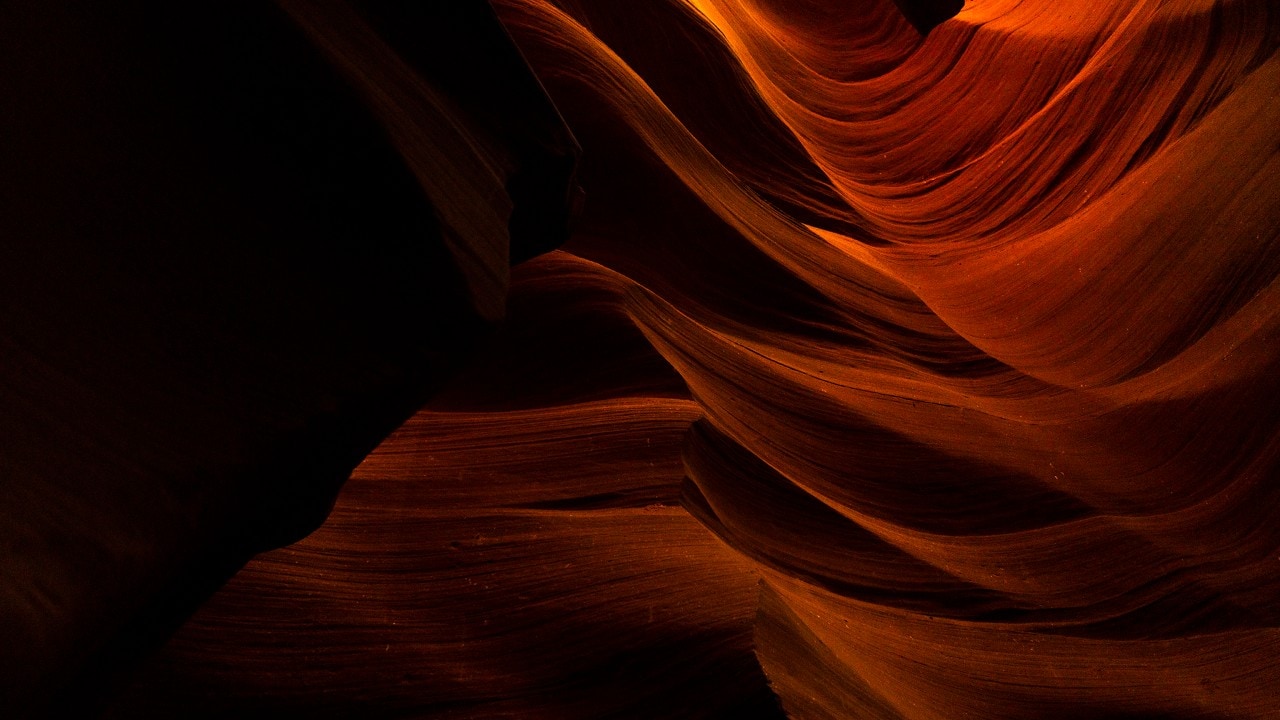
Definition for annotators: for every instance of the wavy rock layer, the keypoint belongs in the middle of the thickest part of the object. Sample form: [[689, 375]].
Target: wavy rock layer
[[980, 335], [518, 549]]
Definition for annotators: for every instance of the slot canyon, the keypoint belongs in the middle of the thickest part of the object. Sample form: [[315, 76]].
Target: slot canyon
[[914, 360]]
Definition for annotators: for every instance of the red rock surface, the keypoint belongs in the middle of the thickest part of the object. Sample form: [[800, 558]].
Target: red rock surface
[[888, 375]]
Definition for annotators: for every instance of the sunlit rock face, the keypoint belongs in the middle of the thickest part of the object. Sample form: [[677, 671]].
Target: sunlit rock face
[[885, 375]]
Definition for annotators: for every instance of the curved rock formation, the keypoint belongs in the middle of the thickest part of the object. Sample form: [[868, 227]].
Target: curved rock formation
[[894, 375]]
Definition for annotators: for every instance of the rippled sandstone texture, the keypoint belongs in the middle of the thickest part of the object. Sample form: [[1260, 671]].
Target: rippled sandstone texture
[[897, 376]]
